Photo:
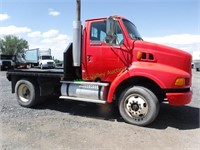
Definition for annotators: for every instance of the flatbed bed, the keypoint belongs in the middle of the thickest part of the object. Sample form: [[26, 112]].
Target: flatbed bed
[[34, 72], [47, 79]]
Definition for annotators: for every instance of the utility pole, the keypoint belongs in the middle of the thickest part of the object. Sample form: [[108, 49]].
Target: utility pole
[[78, 10], [77, 36]]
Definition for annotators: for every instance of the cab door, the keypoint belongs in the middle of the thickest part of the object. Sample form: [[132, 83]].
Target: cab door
[[104, 61]]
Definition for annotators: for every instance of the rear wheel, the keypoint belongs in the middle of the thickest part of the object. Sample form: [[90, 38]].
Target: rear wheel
[[27, 93], [197, 69], [138, 106]]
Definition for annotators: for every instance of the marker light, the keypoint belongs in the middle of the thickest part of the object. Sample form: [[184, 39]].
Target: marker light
[[139, 55], [180, 82]]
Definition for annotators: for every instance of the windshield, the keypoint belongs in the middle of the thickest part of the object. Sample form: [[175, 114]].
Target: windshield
[[46, 57], [20, 59], [132, 30]]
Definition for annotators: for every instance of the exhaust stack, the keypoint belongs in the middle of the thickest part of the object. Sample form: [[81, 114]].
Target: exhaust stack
[[77, 36]]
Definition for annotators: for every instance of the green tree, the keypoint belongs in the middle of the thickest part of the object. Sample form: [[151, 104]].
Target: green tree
[[58, 62], [12, 45]]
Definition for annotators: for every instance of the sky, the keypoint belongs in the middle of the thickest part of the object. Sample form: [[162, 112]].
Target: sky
[[48, 23]]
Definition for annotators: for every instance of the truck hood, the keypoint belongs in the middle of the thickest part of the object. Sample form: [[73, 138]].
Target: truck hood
[[165, 55]]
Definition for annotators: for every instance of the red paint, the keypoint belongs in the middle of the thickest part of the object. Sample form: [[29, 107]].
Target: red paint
[[178, 99], [160, 63]]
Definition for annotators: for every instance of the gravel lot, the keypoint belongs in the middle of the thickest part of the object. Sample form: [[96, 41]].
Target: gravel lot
[[58, 125]]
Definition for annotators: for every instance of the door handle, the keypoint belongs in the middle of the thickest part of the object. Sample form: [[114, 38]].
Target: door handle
[[88, 57]]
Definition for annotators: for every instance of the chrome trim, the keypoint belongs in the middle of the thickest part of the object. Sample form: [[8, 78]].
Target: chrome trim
[[83, 99], [86, 83]]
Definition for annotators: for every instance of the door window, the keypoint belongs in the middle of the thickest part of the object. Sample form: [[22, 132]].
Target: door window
[[98, 33]]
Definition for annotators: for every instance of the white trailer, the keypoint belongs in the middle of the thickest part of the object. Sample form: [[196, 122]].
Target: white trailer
[[196, 60]]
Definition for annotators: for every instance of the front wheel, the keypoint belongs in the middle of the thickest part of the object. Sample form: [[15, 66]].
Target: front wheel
[[27, 93], [138, 106], [41, 66]]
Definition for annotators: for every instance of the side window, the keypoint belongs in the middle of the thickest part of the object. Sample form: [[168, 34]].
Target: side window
[[94, 34], [98, 31], [102, 35]]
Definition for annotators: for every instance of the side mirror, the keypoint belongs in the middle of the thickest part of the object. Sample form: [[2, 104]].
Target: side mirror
[[110, 30]]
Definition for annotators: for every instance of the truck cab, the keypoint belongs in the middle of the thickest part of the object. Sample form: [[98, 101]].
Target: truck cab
[[6, 61], [46, 61]]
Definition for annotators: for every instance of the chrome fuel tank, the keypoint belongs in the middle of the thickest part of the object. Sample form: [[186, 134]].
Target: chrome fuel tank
[[87, 90]]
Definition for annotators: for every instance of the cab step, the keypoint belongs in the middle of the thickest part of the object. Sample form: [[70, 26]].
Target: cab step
[[83, 99]]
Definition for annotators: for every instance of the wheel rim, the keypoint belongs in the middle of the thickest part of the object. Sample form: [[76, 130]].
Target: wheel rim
[[24, 93], [136, 106]]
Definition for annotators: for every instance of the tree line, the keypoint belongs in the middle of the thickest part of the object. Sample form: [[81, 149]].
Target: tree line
[[12, 45]]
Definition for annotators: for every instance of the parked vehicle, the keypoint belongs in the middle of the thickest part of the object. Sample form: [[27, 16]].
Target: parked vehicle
[[6, 61], [110, 63], [20, 62], [196, 60], [39, 58]]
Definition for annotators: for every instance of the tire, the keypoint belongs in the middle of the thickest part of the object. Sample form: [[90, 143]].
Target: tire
[[29, 66], [27, 93], [41, 66], [138, 106], [197, 69]]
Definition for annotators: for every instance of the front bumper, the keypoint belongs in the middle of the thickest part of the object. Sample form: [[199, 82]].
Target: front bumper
[[178, 99], [48, 65]]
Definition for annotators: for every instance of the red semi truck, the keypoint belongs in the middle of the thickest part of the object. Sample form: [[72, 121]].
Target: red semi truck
[[109, 62]]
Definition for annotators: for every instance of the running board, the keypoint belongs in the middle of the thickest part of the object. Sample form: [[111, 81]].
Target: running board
[[83, 99]]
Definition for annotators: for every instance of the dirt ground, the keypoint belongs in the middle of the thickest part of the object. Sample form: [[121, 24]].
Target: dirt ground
[[60, 125]]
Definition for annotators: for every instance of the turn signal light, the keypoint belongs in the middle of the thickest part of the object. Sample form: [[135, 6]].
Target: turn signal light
[[180, 82], [139, 55]]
